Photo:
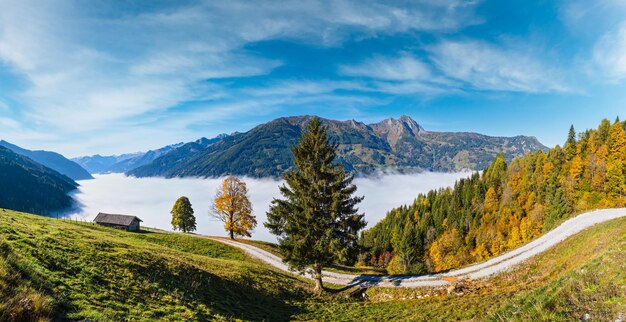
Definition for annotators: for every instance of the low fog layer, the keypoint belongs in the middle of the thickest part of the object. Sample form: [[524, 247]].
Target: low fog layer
[[151, 199]]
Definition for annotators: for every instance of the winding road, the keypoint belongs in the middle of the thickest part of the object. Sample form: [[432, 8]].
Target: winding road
[[481, 270]]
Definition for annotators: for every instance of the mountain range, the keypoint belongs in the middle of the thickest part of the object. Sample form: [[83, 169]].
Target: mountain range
[[390, 145], [122, 163], [26, 185], [177, 158], [127, 162], [51, 160]]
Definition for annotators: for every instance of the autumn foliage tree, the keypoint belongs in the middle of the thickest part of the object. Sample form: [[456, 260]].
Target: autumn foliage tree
[[317, 222], [232, 207], [507, 204], [182, 216]]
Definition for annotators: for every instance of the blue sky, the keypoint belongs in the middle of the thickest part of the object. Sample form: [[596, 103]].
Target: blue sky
[[84, 77]]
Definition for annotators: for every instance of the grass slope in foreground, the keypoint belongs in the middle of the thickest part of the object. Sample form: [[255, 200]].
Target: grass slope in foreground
[[586, 274], [57, 269]]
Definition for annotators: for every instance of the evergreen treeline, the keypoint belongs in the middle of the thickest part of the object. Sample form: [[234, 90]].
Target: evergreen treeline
[[504, 206]]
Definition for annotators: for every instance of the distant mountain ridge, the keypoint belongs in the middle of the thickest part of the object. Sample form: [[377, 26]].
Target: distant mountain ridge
[[177, 157], [51, 160], [26, 185], [100, 164], [390, 145], [122, 163]]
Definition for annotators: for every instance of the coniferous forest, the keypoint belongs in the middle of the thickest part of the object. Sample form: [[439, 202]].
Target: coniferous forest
[[26, 185], [503, 207]]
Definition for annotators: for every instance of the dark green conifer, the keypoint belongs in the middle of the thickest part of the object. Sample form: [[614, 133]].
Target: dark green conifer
[[570, 145], [317, 223]]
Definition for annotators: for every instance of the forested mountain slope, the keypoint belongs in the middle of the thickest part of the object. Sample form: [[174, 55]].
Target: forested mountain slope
[[392, 144], [51, 160], [504, 206], [29, 186]]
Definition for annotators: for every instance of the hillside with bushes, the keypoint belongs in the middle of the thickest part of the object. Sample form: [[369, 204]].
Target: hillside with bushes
[[503, 207]]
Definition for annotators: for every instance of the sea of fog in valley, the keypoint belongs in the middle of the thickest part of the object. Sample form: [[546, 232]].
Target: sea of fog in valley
[[151, 199]]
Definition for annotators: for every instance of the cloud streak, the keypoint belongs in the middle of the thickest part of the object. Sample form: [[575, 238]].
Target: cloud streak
[[403, 68], [86, 68], [113, 77], [456, 66], [610, 54], [484, 66]]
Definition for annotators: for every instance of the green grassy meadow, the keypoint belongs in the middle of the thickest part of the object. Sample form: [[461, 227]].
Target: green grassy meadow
[[53, 269], [58, 269]]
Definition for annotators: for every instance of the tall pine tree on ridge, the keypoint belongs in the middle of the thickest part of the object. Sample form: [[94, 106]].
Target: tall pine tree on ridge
[[317, 223]]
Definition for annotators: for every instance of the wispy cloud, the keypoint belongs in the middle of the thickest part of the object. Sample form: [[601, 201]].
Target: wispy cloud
[[575, 12], [601, 27], [486, 66], [113, 76], [9, 123], [303, 87], [405, 74], [85, 67], [3, 105], [610, 54], [405, 67], [454, 66]]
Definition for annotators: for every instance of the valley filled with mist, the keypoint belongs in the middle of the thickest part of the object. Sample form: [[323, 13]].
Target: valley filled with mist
[[151, 199]]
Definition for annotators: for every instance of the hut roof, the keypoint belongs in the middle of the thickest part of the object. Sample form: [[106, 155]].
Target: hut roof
[[123, 220]]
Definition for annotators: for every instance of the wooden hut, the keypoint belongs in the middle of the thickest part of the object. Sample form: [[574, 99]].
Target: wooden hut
[[129, 223]]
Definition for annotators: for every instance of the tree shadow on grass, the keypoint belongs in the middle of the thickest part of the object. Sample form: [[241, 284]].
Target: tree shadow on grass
[[264, 298], [145, 232], [121, 283], [360, 271]]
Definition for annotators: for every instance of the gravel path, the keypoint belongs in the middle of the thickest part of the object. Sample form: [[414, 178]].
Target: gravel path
[[485, 269]]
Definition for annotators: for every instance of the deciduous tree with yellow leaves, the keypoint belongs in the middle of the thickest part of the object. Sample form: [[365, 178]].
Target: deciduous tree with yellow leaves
[[232, 207]]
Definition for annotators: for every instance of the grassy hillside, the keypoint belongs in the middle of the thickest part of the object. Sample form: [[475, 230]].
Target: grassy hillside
[[54, 269], [51, 269], [584, 275]]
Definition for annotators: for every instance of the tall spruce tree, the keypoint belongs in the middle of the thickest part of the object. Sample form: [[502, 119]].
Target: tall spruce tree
[[570, 145], [317, 223]]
